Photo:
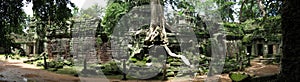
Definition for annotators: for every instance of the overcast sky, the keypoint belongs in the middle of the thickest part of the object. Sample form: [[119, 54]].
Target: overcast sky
[[79, 3], [87, 3]]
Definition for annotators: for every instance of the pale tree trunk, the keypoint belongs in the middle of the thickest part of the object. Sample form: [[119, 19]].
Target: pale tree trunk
[[157, 27], [290, 62], [261, 7]]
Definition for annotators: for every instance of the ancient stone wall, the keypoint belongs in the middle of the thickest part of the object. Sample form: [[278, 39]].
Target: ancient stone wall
[[60, 48], [233, 48], [83, 41]]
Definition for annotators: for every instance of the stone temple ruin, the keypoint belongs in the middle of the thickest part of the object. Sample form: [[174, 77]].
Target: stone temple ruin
[[77, 41], [81, 43]]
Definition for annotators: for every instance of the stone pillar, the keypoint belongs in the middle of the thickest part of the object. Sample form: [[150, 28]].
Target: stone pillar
[[49, 49], [45, 47], [255, 51], [37, 47], [34, 48], [275, 49], [265, 50], [27, 49], [252, 50]]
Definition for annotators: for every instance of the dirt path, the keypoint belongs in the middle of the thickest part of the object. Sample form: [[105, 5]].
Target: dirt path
[[20, 72], [17, 71], [259, 69]]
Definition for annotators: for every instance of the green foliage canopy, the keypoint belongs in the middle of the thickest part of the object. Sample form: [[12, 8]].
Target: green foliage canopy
[[51, 15], [12, 19], [113, 14]]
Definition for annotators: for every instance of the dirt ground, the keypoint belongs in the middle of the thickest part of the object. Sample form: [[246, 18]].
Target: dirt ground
[[256, 69], [259, 69], [17, 71]]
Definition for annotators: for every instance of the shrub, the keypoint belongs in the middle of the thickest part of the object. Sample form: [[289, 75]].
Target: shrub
[[239, 76], [70, 71], [39, 64], [51, 64], [68, 63], [55, 64], [110, 68], [231, 64]]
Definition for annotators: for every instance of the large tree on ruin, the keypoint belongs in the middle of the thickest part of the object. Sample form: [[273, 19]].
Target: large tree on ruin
[[157, 29]]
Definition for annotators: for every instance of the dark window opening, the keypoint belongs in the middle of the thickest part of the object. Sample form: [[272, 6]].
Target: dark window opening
[[270, 49], [249, 49], [31, 50], [260, 49]]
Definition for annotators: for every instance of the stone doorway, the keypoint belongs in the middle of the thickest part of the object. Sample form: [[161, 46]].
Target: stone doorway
[[270, 49], [260, 50]]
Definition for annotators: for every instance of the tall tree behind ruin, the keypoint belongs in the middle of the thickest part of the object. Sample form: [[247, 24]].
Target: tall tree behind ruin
[[52, 15], [12, 20]]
